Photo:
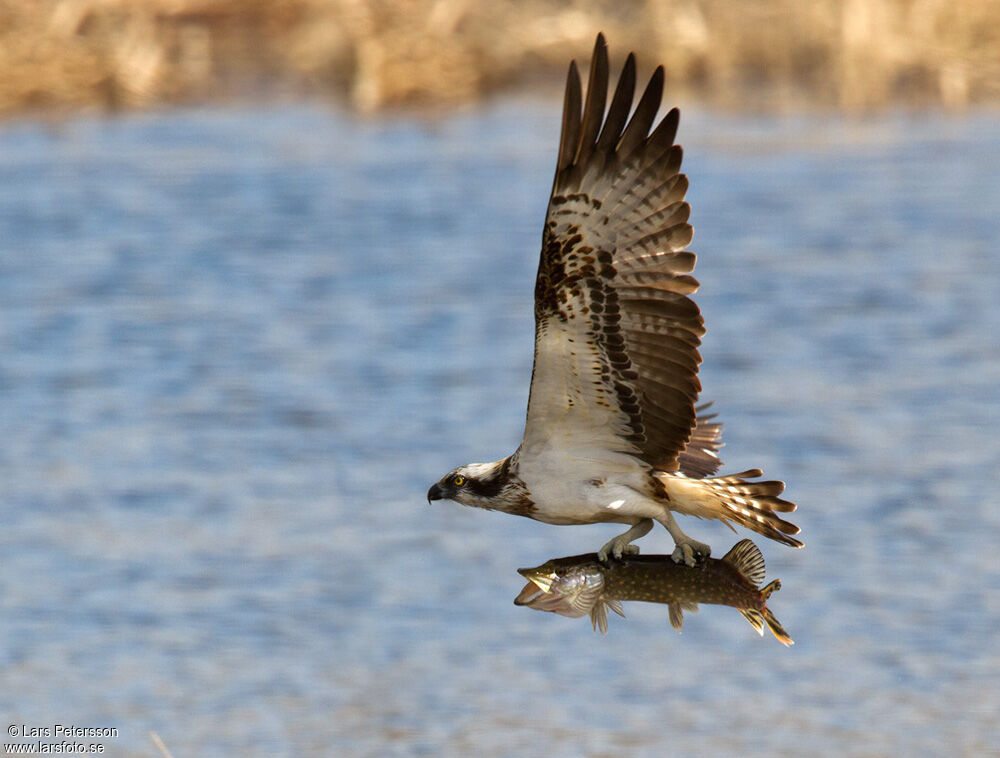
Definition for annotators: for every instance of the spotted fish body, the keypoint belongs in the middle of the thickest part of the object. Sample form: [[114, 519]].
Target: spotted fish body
[[580, 585]]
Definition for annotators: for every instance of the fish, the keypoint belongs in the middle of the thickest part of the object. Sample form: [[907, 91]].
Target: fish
[[578, 585]]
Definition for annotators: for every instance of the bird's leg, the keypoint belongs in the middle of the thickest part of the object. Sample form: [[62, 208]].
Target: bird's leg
[[688, 551], [621, 545]]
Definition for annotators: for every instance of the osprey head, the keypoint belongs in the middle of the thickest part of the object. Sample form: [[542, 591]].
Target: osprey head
[[471, 484], [483, 485]]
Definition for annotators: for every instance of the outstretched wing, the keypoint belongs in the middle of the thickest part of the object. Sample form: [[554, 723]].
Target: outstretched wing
[[616, 337]]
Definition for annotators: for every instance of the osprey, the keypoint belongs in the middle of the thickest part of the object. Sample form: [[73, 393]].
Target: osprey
[[612, 432]]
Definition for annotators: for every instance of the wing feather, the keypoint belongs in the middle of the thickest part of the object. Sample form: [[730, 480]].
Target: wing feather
[[571, 119], [673, 214], [701, 456], [593, 108], [665, 262], [617, 337], [645, 113], [621, 103]]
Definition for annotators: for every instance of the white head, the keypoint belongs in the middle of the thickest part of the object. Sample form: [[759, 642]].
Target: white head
[[484, 485]]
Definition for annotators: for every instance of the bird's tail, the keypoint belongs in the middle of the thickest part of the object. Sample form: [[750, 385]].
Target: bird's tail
[[734, 499], [754, 504]]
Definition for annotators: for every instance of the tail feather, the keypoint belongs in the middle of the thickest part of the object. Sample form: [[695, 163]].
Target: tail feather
[[754, 505]]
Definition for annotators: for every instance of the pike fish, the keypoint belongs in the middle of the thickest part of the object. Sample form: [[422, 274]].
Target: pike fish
[[579, 585]]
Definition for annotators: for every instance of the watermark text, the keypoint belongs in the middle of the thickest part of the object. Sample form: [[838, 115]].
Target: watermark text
[[57, 739]]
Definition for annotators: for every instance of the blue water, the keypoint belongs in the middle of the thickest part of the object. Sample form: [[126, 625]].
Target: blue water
[[237, 345]]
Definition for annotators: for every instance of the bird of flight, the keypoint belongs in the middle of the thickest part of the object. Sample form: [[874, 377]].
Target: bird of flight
[[612, 431]]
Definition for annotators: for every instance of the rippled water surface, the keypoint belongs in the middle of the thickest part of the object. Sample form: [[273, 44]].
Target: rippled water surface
[[236, 346]]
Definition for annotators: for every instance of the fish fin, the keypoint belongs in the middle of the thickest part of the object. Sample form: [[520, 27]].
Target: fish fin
[[616, 606], [746, 558], [777, 629], [599, 617], [755, 618], [771, 587], [689, 606], [676, 616]]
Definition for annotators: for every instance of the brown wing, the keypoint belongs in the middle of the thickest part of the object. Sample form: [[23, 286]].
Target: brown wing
[[701, 456], [616, 340]]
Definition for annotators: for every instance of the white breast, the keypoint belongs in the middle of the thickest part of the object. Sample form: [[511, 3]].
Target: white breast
[[585, 489]]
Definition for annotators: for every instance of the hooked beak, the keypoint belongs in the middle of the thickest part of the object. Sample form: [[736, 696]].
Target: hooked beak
[[436, 492]]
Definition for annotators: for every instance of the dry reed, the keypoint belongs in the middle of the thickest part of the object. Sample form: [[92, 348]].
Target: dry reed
[[378, 53]]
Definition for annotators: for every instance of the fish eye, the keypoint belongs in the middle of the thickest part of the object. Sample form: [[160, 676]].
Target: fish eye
[[458, 480]]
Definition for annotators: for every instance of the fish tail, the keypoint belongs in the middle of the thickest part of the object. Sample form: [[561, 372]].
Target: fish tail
[[754, 505], [772, 623], [756, 619], [776, 628]]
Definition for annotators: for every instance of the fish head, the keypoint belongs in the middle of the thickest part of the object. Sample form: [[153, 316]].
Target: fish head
[[569, 590]]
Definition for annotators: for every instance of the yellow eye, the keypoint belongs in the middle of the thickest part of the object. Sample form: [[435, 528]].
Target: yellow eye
[[458, 481]]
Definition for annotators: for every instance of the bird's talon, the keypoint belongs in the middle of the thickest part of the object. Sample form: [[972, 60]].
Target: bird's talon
[[691, 553], [683, 554], [616, 548]]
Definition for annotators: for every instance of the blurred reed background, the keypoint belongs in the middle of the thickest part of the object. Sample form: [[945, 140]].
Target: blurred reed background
[[70, 54]]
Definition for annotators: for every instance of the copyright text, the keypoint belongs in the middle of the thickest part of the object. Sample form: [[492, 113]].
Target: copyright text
[[57, 739]]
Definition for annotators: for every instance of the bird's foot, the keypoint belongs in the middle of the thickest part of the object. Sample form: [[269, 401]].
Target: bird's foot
[[616, 548], [621, 545], [691, 552]]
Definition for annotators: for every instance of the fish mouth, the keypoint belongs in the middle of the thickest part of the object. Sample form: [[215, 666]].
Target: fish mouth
[[537, 593], [556, 601], [535, 597], [530, 594], [542, 580]]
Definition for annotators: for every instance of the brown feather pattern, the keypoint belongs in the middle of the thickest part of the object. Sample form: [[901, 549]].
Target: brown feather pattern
[[700, 458], [613, 255]]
